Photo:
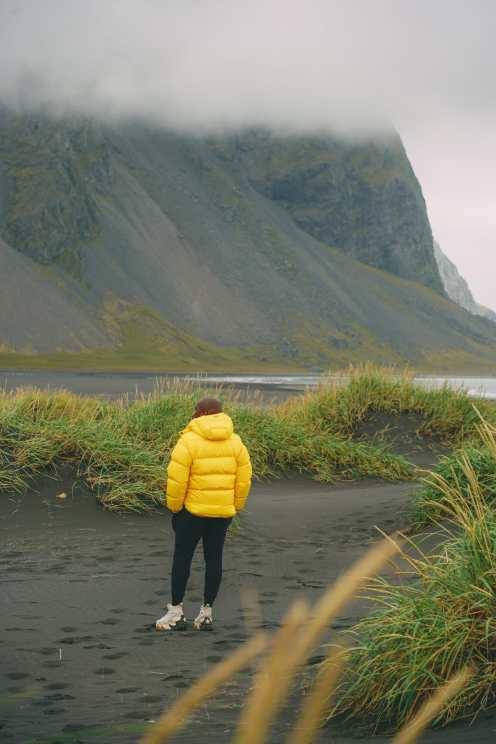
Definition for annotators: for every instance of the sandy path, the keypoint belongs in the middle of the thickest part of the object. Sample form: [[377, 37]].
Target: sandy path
[[80, 589]]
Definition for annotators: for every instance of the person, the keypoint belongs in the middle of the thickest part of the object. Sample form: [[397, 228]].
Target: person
[[208, 481]]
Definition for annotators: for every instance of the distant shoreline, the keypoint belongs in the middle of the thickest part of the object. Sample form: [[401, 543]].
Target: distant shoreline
[[275, 385]]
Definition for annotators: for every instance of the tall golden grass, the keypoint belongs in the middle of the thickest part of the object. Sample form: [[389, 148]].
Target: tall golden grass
[[284, 654]]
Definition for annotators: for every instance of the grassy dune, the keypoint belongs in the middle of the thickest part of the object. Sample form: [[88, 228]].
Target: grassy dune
[[121, 449], [428, 630]]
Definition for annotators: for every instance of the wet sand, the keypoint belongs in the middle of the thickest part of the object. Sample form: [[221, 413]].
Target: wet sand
[[81, 588]]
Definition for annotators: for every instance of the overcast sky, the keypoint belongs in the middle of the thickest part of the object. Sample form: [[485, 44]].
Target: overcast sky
[[425, 66]]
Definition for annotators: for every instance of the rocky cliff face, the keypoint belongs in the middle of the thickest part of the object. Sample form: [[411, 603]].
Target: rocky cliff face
[[363, 199], [244, 243], [457, 288]]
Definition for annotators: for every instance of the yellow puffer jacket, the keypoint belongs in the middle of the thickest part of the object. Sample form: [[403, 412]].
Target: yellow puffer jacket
[[209, 471]]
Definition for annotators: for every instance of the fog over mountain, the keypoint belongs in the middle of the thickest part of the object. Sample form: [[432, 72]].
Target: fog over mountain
[[355, 67], [212, 64]]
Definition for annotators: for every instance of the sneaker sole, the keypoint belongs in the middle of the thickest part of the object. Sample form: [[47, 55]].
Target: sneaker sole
[[204, 627], [181, 625]]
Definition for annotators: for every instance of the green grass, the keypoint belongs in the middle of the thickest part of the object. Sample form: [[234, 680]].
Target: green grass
[[453, 474], [121, 449], [447, 414], [426, 631], [145, 341], [429, 502]]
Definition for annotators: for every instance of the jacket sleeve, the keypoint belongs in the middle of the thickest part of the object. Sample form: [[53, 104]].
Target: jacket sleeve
[[178, 475], [243, 478]]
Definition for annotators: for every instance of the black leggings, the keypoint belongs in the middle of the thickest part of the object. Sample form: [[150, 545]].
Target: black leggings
[[189, 529]]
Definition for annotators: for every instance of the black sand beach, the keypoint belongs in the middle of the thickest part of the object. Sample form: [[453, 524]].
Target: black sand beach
[[81, 589]]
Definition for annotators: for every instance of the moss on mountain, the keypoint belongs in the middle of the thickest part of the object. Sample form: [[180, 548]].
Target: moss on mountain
[[54, 173]]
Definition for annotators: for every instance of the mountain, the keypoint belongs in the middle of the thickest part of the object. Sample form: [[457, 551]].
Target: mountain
[[140, 245], [456, 286]]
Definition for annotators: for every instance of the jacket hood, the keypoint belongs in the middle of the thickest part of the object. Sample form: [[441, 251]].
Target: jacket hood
[[215, 426]]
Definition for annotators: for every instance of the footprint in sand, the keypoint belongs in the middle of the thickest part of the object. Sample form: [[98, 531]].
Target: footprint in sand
[[70, 727], [71, 640], [56, 686], [126, 690], [16, 629], [59, 696], [52, 664]]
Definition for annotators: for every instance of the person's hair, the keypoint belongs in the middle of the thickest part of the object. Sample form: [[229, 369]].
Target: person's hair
[[207, 406]]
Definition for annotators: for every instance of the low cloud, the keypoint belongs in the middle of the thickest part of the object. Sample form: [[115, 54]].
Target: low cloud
[[352, 66], [355, 66]]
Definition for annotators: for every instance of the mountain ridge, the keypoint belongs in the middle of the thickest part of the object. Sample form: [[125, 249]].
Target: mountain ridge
[[457, 287], [157, 236]]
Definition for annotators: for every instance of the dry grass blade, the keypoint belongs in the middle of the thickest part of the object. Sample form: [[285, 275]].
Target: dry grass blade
[[432, 707], [175, 717], [272, 681], [314, 709], [278, 671]]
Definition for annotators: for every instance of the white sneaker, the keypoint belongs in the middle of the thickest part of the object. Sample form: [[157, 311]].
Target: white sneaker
[[204, 619], [173, 619]]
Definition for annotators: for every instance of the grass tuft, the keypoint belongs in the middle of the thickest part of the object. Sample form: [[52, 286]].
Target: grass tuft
[[121, 448], [429, 630]]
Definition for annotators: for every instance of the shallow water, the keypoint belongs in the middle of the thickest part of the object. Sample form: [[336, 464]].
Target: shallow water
[[136, 383]]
